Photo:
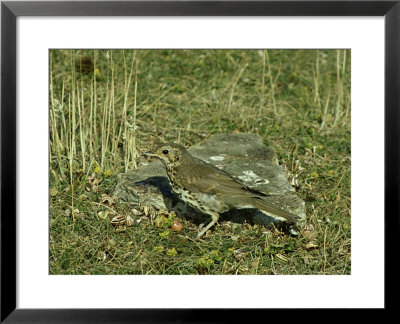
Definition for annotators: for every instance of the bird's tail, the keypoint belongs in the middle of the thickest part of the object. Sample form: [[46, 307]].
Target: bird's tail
[[274, 210]]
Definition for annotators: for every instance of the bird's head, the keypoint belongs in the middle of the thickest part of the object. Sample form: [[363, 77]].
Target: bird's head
[[169, 154]]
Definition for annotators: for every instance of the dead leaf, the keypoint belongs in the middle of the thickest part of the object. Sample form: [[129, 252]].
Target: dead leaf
[[93, 182], [118, 220], [107, 200], [309, 232], [129, 220], [176, 226], [239, 254], [282, 257], [53, 191], [103, 214], [311, 245]]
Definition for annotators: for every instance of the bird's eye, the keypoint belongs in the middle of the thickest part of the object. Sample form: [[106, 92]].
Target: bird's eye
[[165, 152]]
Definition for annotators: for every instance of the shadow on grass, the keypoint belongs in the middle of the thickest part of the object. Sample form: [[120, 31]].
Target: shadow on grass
[[185, 211]]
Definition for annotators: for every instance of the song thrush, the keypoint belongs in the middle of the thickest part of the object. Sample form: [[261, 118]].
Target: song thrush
[[209, 189]]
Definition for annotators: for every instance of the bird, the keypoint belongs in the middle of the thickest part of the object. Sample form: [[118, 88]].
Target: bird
[[209, 189]]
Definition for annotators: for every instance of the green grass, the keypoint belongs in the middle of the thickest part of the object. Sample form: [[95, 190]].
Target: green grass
[[298, 101]]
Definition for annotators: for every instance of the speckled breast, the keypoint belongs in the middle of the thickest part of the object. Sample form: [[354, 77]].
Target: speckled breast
[[203, 202], [182, 193]]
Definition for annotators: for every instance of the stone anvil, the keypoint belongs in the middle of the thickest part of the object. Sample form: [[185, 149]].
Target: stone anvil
[[244, 156]]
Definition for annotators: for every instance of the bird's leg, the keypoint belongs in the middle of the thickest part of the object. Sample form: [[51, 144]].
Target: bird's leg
[[203, 223], [215, 218]]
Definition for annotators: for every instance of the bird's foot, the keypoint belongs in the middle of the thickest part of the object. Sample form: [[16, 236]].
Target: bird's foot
[[206, 228], [294, 230], [201, 226]]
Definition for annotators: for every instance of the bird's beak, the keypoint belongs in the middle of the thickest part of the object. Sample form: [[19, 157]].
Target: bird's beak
[[148, 153]]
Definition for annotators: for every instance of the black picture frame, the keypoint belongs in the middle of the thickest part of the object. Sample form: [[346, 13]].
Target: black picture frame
[[10, 10]]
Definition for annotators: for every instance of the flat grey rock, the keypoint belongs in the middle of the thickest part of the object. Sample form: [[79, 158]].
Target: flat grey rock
[[244, 156]]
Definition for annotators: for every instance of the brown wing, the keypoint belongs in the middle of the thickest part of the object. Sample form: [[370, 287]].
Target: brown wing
[[206, 178]]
